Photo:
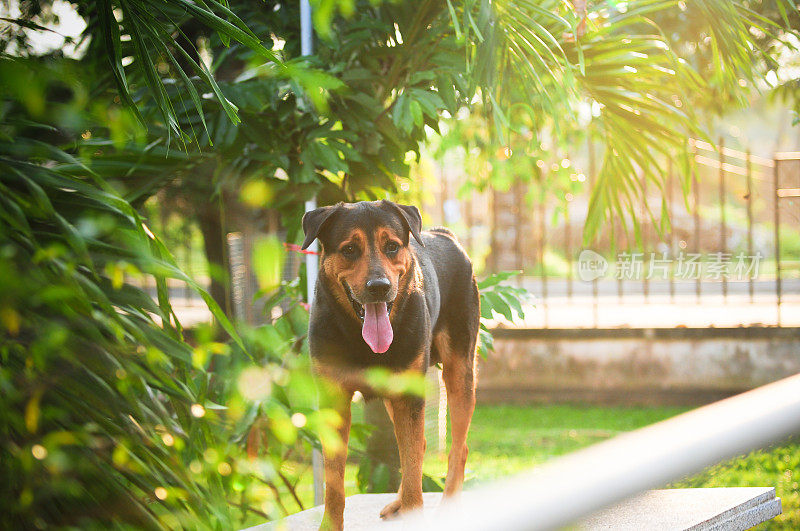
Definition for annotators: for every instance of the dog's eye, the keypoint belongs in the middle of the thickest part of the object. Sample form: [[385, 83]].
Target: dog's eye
[[349, 250], [391, 248]]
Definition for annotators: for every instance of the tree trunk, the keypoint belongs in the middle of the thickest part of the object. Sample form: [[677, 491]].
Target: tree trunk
[[210, 220], [381, 447]]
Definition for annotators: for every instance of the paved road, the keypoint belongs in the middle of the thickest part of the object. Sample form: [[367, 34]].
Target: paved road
[[558, 287]]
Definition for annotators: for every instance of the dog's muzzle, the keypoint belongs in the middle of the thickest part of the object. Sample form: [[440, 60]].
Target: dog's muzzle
[[357, 306]]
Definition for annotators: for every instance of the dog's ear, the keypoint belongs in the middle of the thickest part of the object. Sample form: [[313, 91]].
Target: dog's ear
[[411, 218], [314, 221]]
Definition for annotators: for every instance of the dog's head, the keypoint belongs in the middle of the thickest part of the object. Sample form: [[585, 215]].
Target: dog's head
[[365, 254]]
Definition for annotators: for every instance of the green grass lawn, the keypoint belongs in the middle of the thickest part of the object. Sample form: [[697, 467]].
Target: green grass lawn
[[507, 439], [504, 440]]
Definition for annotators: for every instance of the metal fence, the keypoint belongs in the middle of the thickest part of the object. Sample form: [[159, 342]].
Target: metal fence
[[722, 246], [740, 208]]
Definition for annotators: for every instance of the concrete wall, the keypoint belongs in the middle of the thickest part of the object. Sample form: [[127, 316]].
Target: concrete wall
[[677, 366]]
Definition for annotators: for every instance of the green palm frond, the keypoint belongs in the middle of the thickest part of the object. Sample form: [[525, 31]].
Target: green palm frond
[[142, 40], [625, 66], [111, 417]]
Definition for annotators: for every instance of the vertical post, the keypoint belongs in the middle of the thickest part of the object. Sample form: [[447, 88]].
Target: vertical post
[[494, 247], [749, 168], [645, 239], [622, 228], [312, 263], [443, 194], [567, 248], [518, 241], [696, 196], [470, 222], [238, 274], [542, 240], [306, 29], [777, 221], [312, 268], [723, 228], [591, 180], [671, 214]]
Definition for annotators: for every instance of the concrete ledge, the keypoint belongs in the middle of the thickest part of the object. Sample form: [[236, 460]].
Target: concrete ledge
[[729, 509], [618, 396], [717, 509], [634, 366]]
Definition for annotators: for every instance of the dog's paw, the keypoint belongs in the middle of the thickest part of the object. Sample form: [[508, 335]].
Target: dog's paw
[[391, 509]]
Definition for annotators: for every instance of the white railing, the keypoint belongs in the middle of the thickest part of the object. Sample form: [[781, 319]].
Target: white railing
[[561, 491]]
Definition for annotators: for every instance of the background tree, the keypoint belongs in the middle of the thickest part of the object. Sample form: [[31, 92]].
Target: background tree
[[639, 80]]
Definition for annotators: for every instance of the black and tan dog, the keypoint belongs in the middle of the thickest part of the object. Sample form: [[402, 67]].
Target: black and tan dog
[[384, 299]]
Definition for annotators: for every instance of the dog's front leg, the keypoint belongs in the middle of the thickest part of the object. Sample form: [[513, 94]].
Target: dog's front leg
[[409, 428], [335, 460]]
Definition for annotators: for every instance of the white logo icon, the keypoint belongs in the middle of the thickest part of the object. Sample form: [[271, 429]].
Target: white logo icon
[[591, 265]]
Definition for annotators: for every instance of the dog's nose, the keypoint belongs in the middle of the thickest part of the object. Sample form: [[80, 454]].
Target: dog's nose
[[378, 287]]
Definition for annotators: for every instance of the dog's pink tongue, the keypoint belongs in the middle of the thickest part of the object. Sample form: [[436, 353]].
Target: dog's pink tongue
[[377, 331]]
